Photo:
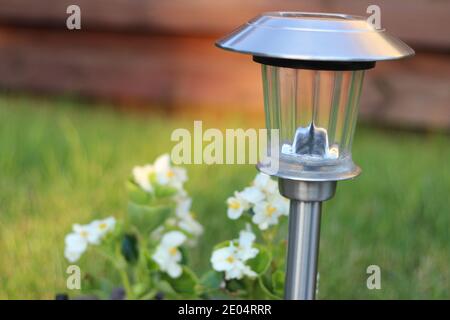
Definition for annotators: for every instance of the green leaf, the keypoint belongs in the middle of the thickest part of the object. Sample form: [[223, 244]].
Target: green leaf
[[278, 282], [211, 280], [137, 195], [266, 290], [151, 264], [235, 285], [184, 255], [93, 285], [166, 288], [146, 218], [164, 191], [129, 248], [261, 262], [139, 289], [185, 284]]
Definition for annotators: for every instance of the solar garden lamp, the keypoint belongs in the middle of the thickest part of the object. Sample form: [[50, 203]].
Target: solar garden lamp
[[313, 66]]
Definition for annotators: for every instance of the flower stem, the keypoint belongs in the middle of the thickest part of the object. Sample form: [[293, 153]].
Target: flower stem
[[121, 268]]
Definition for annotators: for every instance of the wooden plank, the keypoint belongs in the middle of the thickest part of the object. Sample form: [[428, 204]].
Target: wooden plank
[[424, 23], [414, 93], [187, 73]]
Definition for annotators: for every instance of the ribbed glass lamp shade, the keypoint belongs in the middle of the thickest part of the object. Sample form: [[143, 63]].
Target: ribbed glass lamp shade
[[315, 112], [313, 68]]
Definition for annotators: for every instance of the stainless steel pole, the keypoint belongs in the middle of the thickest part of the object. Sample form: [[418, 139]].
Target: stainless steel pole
[[303, 250], [304, 233]]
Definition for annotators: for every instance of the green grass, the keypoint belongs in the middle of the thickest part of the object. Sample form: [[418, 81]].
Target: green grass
[[64, 162]]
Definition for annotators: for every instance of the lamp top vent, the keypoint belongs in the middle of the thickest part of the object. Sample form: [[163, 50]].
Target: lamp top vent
[[314, 36]]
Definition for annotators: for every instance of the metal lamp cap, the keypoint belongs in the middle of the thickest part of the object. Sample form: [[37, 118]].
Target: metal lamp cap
[[316, 37]]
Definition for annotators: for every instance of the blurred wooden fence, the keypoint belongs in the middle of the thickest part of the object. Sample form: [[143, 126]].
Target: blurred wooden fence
[[162, 53]]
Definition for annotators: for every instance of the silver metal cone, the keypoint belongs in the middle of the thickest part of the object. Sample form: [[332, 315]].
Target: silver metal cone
[[314, 36]]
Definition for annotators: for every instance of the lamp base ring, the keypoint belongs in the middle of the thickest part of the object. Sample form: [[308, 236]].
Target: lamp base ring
[[299, 172]]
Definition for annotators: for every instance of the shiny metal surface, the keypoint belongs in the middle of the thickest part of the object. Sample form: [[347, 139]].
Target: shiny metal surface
[[307, 191], [304, 233], [310, 141], [314, 36], [294, 170], [303, 249]]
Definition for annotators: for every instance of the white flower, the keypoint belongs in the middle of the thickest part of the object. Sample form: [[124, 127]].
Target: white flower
[[87, 232], [226, 260], [167, 255], [164, 173], [190, 225], [186, 220], [168, 175], [281, 203], [141, 176], [245, 249], [76, 245], [107, 225], [82, 235], [265, 183], [270, 188], [243, 201], [100, 228], [267, 213], [262, 188], [231, 259], [252, 195], [236, 206], [183, 207]]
